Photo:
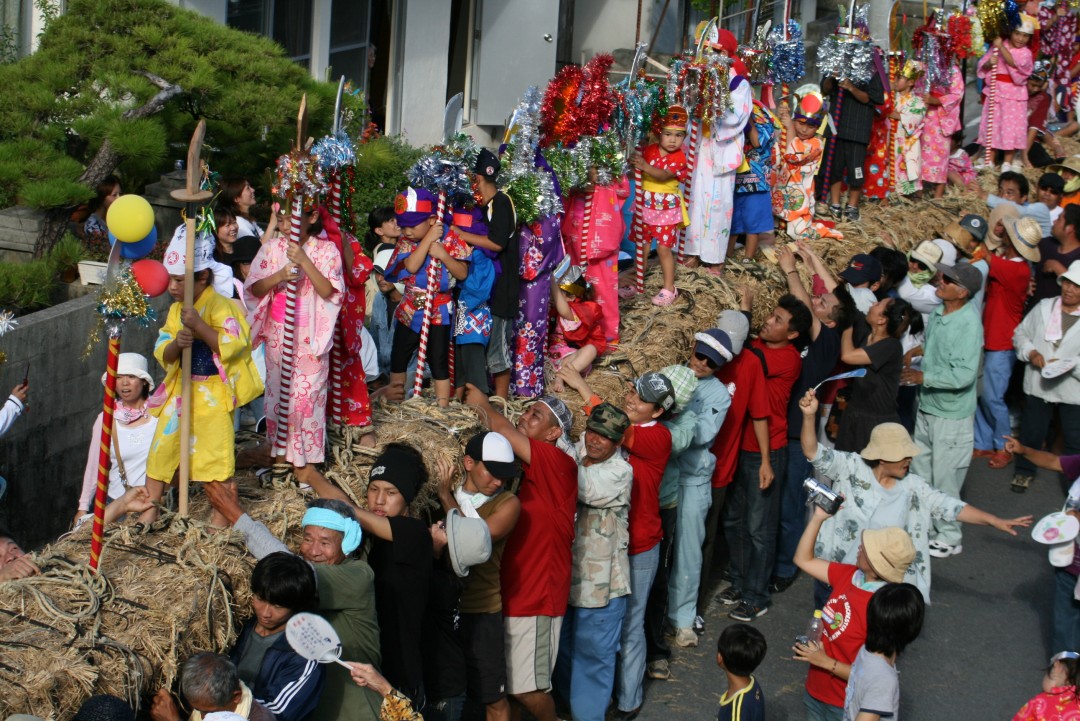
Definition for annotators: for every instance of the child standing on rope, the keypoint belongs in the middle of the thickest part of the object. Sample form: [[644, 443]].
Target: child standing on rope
[[752, 215], [910, 113], [1005, 70], [300, 399], [223, 377], [473, 320], [421, 244], [663, 167], [793, 197]]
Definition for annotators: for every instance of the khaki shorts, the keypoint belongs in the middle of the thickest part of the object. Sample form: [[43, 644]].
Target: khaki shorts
[[532, 644]]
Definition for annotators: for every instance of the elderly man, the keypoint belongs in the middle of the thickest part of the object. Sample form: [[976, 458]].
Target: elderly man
[[536, 562], [945, 423], [346, 595], [210, 684], [14, 563], [600, 582]]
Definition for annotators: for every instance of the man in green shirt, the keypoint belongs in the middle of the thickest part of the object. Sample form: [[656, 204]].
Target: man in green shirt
[[944, 425], [344, 587]]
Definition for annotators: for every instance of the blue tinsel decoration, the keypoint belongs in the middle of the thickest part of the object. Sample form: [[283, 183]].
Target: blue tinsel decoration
[[1012, 14], [334, 152], [787, 57]]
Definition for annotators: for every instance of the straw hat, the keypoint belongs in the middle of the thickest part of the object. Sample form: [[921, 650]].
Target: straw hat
[[890, 442], [889, 551], [997, 215], [1070, 163], [927, 253], [1025, 235]]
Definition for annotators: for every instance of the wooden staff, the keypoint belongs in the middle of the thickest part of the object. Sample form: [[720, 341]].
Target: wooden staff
[[434, 276], [192, 196]]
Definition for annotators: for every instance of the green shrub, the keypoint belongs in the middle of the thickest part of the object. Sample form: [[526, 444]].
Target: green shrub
[[380, 175]]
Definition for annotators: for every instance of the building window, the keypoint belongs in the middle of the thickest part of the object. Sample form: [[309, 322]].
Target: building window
[[349, 41]]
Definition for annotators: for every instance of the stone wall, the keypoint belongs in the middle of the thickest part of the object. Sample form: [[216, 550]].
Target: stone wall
[[44, 454]]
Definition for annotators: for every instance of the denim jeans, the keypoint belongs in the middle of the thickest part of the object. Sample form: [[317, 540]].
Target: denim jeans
[[714, 542], [821, 711], [447, 709], [1066, 613], [1035, 423], [657, 648], [585, 670], [992, 415], [631, 671], [792, 508], [686, 569], [750, 521]]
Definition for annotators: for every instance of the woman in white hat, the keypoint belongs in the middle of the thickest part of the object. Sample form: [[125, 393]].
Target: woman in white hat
[[133, 429], [879, 493]]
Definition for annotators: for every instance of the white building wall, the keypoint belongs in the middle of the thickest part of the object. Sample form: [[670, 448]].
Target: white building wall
[[418, 110]]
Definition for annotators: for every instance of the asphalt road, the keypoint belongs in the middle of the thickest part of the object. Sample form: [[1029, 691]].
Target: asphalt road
[[984, 644]]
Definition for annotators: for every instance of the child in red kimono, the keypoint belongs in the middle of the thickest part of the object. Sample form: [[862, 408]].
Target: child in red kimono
[[355, 406], [663, 168], [577, 336]]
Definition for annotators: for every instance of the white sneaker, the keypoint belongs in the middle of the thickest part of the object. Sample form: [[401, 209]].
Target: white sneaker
[[685, 637], [944, 550]]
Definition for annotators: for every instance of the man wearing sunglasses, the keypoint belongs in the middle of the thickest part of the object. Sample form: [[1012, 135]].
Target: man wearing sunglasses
[[944, 424]]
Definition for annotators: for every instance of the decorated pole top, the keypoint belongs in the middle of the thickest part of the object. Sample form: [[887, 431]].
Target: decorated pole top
[[191, 192], [337, 106], [301, 124]]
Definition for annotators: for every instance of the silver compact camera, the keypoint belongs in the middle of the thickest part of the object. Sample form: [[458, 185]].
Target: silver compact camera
[[822, 496]]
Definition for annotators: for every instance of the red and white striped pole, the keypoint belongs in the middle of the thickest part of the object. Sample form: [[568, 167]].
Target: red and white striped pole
[[992, 77], [639, 230], [586, 230], [691, 162], [97, 533], [337, 353], [434, 275], [288, 343]]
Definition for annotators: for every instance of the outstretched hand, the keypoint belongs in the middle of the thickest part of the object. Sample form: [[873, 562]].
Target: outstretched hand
[[1009, 524]]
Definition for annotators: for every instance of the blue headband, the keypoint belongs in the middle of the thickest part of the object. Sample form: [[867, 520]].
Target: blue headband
[[325, 518]]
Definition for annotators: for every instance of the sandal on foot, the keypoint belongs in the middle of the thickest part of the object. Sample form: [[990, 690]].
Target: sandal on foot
[[1020, 483], [665, 297], [1000, 459], [627, 291]]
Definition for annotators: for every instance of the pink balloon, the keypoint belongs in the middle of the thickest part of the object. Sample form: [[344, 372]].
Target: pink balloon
[[151, 276]]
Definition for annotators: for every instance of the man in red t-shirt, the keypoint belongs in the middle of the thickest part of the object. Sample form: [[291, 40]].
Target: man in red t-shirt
[[753, 505], [1006, 291], [536, 561], [744, 378], [884, 556]]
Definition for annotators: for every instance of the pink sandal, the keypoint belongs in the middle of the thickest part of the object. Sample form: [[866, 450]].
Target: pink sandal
[[627, 291], [665, 297]]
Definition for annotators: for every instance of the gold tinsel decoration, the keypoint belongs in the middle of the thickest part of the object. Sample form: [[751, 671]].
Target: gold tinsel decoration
[[119, 300]]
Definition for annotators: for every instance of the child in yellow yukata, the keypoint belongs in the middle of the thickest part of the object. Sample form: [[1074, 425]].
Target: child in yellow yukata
[[793, 196], [223, 378]]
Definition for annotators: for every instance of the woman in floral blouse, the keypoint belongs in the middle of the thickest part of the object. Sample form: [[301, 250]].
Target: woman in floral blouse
[[879, 493]]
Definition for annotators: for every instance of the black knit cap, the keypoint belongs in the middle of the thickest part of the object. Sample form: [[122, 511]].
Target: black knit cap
[[104, 708], [401, 465]]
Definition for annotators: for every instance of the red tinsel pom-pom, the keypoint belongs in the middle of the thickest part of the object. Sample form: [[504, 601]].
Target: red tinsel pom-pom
[[960, 36], [559, 108], [597, 99]]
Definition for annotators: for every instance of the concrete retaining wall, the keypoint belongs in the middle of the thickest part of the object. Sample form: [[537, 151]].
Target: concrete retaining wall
[[44, 454]]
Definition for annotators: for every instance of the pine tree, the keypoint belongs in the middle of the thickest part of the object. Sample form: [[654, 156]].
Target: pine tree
[[118, 85]]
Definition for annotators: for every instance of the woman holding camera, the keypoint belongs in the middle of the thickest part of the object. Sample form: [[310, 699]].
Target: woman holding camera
[[880, 493]]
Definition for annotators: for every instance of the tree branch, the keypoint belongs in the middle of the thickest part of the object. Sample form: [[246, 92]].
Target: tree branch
[[157, 103]]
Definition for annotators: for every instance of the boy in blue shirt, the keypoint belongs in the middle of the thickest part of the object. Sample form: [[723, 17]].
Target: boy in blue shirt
[[741, 649]]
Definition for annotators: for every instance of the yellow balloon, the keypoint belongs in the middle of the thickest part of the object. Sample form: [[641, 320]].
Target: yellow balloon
[[130, 218]]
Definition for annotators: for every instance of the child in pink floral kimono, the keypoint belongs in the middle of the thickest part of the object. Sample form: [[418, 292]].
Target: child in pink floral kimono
[[1005, 70]]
